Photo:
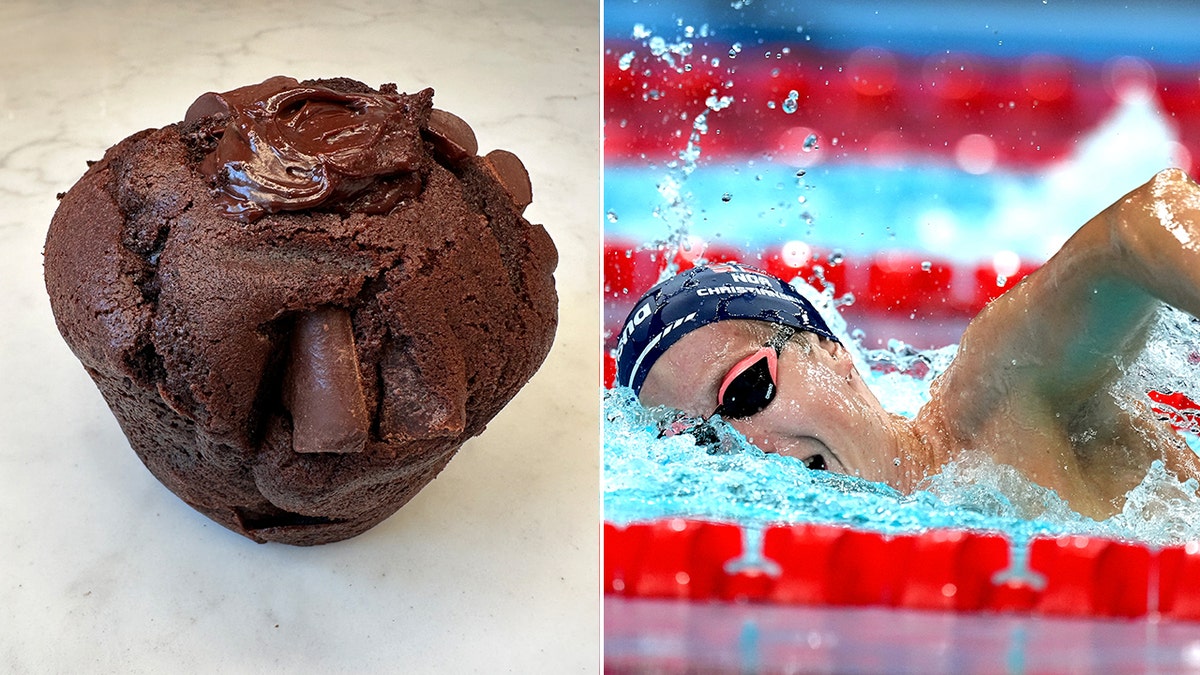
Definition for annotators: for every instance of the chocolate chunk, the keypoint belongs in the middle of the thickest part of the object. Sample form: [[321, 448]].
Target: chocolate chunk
[[452, 137], [513, 176], [323, 385], [208, 104]]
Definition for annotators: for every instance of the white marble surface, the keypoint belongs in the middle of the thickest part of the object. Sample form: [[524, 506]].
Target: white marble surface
[[493, 567]]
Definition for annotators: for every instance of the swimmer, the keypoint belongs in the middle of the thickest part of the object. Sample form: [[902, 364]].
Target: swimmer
[[1032, 386]]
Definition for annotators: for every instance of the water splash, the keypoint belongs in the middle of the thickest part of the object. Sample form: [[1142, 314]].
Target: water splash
[[674, 209]]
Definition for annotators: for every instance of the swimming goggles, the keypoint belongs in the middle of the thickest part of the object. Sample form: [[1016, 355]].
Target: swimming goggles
[[750, 386]]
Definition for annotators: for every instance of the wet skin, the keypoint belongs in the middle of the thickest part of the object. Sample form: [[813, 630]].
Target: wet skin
[[1032, 385]]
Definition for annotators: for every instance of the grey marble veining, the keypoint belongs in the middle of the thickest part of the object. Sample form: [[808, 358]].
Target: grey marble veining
[[494, 566]]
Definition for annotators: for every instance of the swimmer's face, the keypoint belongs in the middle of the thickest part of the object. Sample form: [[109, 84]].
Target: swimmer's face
[[821, 407]]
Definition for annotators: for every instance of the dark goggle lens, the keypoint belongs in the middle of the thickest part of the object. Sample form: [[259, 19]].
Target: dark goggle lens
[[748, 393]]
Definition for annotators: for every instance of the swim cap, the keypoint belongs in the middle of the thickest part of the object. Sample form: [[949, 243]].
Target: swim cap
[[701, 296]]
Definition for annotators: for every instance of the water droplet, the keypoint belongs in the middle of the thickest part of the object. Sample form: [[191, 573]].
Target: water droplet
[[612, 216], [735, 50], [726, 197], [810, 143], [791, 102], [800, 173], [802, 199], [626, 61], [1001, 280], [896, 461], [926, 265], [836, 257]]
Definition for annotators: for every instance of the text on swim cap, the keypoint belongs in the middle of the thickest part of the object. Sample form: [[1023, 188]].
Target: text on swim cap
[[738, 290], [748, 278], [641, 315]]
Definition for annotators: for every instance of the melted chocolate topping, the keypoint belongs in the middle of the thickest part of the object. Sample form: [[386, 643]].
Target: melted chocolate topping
[[288, 146]]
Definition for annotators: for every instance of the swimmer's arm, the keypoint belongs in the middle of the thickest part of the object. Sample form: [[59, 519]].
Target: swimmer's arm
[[1064, 333]]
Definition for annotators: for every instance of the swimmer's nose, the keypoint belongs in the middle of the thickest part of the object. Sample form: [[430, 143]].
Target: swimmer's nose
[[323, 386]]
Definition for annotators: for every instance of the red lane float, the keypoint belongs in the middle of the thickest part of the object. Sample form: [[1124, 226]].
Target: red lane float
[[886, 281], [1181, 411], [879, 106], [939, 570]]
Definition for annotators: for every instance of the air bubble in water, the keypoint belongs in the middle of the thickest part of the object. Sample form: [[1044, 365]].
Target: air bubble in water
[[726, 197], [836, 257], [735, 50], [612, 216], [810, 143], [626, 61], [926, 265]]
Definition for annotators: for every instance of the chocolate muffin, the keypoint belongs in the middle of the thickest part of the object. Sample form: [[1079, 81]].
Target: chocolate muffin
[[300, 301]]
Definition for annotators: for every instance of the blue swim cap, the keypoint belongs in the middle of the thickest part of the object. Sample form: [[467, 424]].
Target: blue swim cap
[[701, 296]]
